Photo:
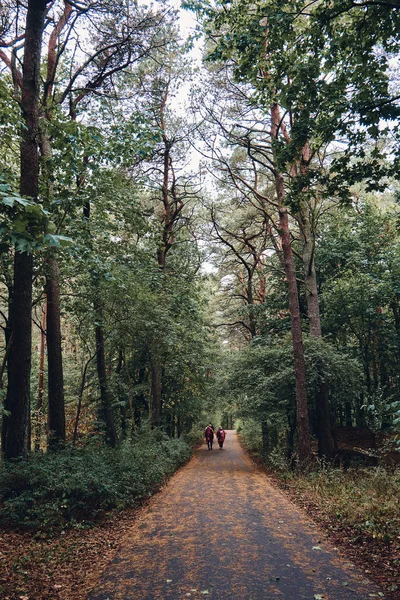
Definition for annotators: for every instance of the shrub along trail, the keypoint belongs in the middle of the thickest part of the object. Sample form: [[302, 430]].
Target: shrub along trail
[[220, 530]]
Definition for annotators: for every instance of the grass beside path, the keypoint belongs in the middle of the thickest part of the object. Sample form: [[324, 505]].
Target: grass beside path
[[359, 508]]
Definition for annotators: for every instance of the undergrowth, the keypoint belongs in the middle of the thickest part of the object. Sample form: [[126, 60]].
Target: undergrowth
[[76, 487], [365, 499]]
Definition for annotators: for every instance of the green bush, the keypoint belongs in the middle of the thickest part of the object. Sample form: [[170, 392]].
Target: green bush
[[79, 486], [194, 436], [250, 433]]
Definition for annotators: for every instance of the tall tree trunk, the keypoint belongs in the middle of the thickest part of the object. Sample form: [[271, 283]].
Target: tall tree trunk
[[178, 427], [16, 443], [303, 430], [56, 406], [322, 408], [394, 305], [108, 415], [17, 434], [250, 306], [106, 407], [310, 279], [8, 339], [141, 401], [39, 405], [156, 389], [348, 413], [265, 438], [80, 399], [360, 412], [162, 251]]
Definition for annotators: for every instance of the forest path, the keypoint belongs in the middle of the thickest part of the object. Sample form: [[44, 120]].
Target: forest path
[[220, 530]]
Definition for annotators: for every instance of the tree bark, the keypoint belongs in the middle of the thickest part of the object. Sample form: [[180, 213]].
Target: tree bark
[[265, 438], [250, 306], [303, 431], [56, 405], [80, 399], [39, 405], [16, 443], [17, 431], [8, 339], [348, 413], [178, 427], [322, 408], [310, 276], [156, 390], [108, 415]]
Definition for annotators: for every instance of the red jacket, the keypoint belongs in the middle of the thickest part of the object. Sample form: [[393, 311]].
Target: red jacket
[[221, 435], [209, 433]]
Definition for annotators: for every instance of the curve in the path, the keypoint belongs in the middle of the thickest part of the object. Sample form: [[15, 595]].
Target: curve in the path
[[220, 531]]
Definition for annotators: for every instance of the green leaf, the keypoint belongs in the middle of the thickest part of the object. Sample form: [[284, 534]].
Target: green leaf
[[8, 201], [35, 209], [57, 240], [23, 245], [22, 201]]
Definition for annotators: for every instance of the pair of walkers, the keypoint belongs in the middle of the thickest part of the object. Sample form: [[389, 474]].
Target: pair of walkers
[[209, 435]]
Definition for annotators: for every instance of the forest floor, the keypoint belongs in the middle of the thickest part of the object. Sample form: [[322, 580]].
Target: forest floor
[[67, 566]]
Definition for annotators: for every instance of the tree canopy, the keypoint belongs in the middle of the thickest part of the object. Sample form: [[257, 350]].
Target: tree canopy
[[198, 243]]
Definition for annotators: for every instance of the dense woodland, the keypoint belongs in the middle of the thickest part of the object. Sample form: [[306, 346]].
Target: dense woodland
[[182, 243]]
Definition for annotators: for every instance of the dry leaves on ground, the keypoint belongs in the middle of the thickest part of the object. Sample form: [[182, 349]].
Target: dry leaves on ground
[[64, 567]]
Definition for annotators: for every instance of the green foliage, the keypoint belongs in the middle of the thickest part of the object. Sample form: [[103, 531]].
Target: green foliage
[[250, 433], [10, 125], [251, 436], [343, 374], [194, 436], [79, 486], [25, 223], [328, 79], [394, 408], [24, 220], [263, 381], [359, 267]]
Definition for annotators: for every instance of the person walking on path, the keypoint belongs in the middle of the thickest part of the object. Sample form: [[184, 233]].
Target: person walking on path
[[221, 434], [245, 541], [209, 435]]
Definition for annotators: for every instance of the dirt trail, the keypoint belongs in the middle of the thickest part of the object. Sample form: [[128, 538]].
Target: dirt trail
[[219, 530]]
